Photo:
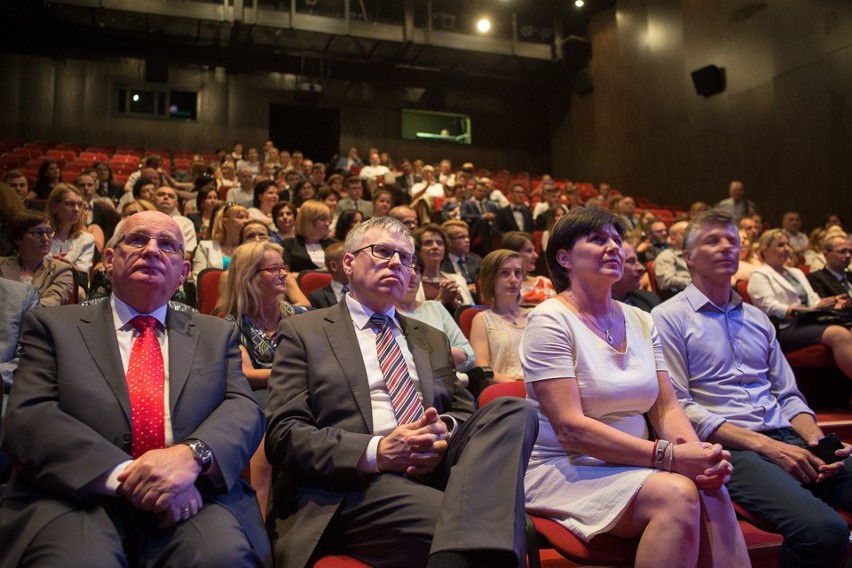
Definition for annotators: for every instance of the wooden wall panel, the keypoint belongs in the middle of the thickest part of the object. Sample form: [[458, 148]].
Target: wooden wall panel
[[783, 126], [73, 100]]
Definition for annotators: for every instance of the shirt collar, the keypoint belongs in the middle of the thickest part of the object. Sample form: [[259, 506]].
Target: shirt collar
[[699, 301], [839, 275], [361, 314], [122, 313], [455, 259]]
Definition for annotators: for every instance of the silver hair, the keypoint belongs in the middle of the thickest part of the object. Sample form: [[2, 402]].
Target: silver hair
[[391, 225]]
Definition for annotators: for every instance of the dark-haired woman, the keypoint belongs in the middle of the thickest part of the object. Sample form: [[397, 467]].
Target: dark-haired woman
[[594, 368]]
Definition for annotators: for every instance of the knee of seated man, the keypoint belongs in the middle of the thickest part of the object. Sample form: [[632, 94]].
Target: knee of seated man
[[826, 536]]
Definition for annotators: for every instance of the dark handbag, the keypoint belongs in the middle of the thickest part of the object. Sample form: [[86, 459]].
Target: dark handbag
[[825, 316]]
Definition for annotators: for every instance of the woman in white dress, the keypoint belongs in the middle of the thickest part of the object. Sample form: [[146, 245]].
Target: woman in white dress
[[66, 208], [495, 334], [594, 367]]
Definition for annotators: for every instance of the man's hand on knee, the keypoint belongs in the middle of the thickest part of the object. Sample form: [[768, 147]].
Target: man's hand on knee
[[180, 508], [798, 462], [158, 474]]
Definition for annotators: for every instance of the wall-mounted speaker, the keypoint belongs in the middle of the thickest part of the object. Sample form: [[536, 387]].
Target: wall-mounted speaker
[[709, 80]]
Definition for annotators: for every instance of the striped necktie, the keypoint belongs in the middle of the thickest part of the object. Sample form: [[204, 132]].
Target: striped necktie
[[403, 396]]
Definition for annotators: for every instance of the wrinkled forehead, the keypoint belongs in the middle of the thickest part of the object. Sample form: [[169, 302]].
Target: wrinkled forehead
[[151, 224]]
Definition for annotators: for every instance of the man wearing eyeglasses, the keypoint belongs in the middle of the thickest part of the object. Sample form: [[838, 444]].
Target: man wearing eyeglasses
[[835, 278], [382, 453], [129, 425]]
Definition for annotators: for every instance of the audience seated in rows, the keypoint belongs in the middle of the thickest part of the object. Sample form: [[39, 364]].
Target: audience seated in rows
[[784, 293], [746, 399]]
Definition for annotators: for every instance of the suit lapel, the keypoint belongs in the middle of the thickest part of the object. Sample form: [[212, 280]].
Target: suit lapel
[[343, 343], [420, 352], [97, 329], [182, 343]]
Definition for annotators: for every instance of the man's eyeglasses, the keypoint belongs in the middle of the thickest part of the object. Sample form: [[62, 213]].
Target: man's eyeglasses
[[166, 245], [41, 233], [386, 253], [460, 237], [278, 269], [260, 237]]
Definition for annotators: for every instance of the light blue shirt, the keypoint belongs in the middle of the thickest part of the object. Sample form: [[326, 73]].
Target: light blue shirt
[[726, 365]]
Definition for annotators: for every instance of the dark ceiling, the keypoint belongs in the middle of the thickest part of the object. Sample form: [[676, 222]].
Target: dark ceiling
[[421, 42]]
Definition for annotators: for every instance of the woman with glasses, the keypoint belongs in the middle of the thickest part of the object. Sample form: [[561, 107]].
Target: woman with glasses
[[31, 234], [255, 299], [434, 314], [449, 288], [306, 251], [66, 209], [224, 238]]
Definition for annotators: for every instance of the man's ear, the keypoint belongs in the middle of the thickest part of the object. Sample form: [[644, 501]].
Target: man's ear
[[347, 263], [687, 257], [108, 257]]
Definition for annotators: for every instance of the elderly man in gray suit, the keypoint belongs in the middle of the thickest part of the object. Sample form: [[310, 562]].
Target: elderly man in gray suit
[[129, 425], [380, 451]]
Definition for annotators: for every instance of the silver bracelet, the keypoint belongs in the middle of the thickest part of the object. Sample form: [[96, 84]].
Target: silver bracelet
[[671, 457], [659, 453]]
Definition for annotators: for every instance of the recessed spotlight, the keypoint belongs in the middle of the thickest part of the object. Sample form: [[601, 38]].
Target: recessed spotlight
[[483, 25], [579, 3]]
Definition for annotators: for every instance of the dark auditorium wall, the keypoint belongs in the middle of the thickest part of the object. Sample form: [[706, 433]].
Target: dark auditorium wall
[[71, 100], [783, 126]]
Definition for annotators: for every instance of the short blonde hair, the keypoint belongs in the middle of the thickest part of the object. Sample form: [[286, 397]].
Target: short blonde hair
[[309, 212]]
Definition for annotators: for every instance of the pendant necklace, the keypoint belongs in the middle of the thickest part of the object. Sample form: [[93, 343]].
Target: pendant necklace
[[592, 321]]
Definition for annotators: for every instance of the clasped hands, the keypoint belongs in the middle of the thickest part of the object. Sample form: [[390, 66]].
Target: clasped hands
[[163, 482], [708, 465], [416, 448]]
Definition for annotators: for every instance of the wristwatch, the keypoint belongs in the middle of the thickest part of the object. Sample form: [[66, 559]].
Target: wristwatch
[[201, 452]]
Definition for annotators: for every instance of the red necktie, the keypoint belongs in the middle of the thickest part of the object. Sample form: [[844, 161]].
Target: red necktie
[[145, 378], [403, 396]]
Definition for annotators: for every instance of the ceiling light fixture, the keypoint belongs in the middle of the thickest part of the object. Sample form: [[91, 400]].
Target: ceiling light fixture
[[483, 25], [579, 3]]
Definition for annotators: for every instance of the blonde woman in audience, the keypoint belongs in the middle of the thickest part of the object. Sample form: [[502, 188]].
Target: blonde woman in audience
[[30, 233], [66, 209], [255, 300], [535, 289], [784, 294], [495, 334], [224, 238], [748, 259], [594, 369], [306, 251]]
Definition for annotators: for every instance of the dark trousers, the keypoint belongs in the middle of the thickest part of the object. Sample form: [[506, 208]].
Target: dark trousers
[[473, 501], [814, 534]]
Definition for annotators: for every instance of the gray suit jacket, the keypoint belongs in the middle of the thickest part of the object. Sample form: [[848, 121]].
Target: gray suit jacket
[[68, 419], [322, 298], [319, 417]]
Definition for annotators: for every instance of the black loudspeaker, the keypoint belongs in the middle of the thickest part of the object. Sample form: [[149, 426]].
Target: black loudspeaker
[[577, 50], [709, 80], [156, 71]]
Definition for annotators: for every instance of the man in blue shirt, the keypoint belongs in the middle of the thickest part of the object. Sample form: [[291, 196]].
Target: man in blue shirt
[[738, 390]]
